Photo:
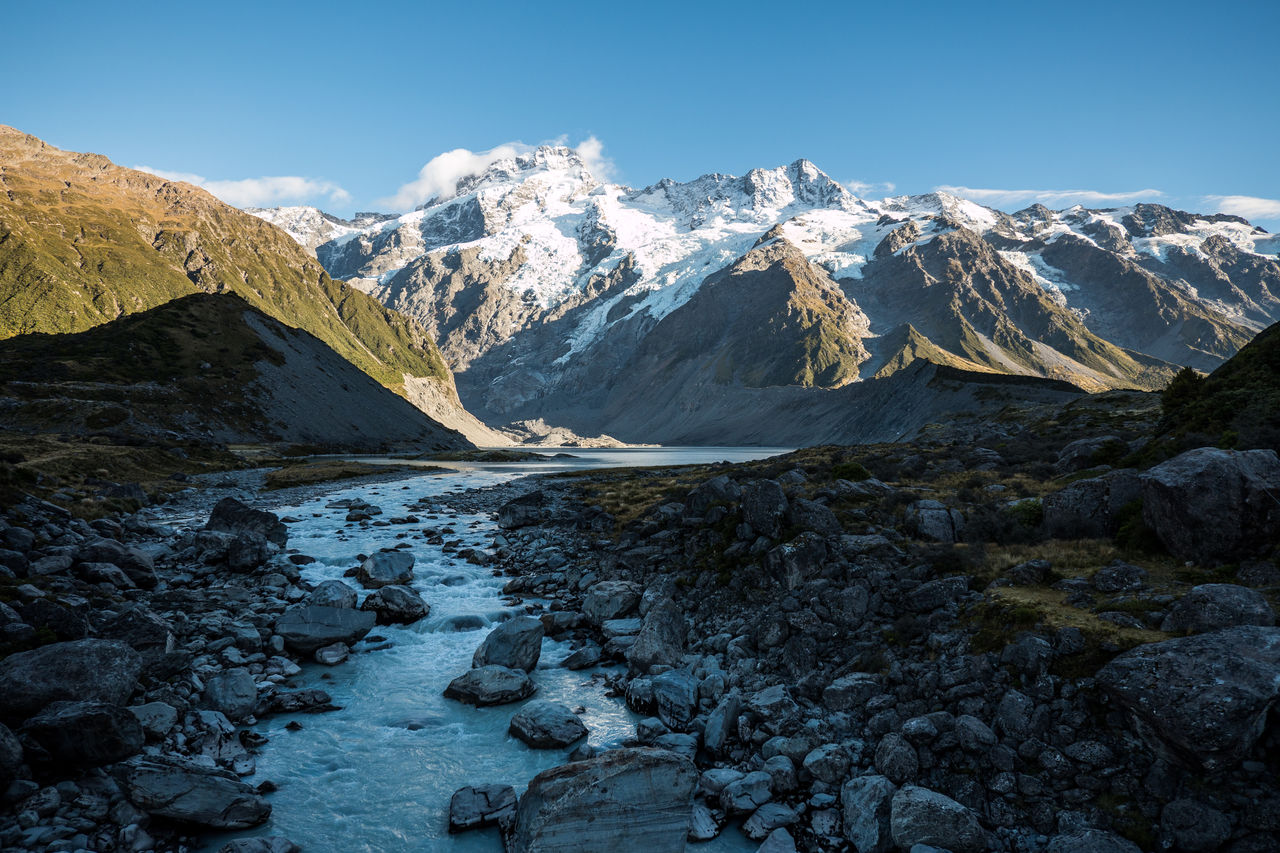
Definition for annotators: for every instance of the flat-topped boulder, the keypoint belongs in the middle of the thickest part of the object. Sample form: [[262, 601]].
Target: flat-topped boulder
[[307, 627], [491, 685], [106, 670], [1202, 699], [625, 799], [181, 790], [547, 725]]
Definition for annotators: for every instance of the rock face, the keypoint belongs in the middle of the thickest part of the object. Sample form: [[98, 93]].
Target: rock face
[[547, 725], [921, 816], [386, 568], [106, 670], [1202, 699], [86, 734], [627, 799], [516, 643], [1213, 506], [395, 605], [307, 627], [1211, 606], [491, 685], [184, 791], [478, 806], [232, 516]]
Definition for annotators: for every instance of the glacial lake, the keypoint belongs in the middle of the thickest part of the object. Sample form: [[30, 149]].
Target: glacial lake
[[377, 776]]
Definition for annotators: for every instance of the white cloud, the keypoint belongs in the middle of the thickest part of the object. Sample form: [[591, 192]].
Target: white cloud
[[1250, 207], [260, 192], [1049, 198], [867, 188], [591, 150], [440, 176]]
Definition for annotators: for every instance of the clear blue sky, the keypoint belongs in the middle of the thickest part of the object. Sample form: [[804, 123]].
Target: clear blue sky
[[1110, 97]]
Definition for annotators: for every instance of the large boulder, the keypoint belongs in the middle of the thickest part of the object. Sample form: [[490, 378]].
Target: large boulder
[[1090, 509], [516, 643], [1211, 606], [930, 519], [764, 507], [232, 516], [547, 725], [134, 562], [11, 756], [268, 844], [867, 801], [1091, 841], [661, 638], [1213, 506], [477, 806], [491, 685], [522, 511], [920, 816], [143, 629], [85, 734], [386, 568], [610, 600], [718, 491], [233, 692], [626, 799], [307, 627], [1203, 699], [106, 670], [181, 790], [395, 605]]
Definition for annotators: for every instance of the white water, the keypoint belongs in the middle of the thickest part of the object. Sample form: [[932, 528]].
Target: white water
[[359, 779]]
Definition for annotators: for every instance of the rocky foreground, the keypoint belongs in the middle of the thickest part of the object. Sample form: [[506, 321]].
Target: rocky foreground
[[924, 659], [820, 665]]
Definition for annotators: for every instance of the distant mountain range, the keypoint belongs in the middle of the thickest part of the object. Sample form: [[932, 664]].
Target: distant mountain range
[[653, 314]]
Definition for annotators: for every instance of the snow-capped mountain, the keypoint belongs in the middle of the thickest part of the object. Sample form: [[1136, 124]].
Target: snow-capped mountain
[[555, 294]]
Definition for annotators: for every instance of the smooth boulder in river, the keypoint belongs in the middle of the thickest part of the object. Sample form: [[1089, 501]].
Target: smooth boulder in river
[[395, 605], [624, 799], [516, 643], [491, 685], [386, 568], [307, 627], [547, 725], [106, 670]]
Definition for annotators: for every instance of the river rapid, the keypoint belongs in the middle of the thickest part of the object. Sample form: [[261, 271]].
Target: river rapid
[[377, 775]]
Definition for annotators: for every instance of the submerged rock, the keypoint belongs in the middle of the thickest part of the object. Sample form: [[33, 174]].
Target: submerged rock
[[626, 799]]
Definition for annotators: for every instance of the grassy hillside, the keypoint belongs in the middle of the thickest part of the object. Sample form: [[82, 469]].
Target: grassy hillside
[[83, 242]]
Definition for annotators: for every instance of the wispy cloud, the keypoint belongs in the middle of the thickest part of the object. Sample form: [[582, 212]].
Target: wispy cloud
[[1250, 207], [261, 192], [1049, 198], [868, 188], [591, 150]]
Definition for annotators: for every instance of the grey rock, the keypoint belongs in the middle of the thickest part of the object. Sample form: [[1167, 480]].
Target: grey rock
[[850, 691], [1013, 714], [11, 757], [764, 507], [828, 763], [779, 841], [233, 692], [661, 638], [332, 654], [386, 568], [866, 803], [248, 551], [627, 799], [1119, 577], [1091, 841], [134, 562], [747, 794], [395, 605], [766, 819], [269, 844], [706, 824], [1080, 454], [782, 774], [231, 516], [307, 627], [1193, 826], [812, 516], [896, 759], [610, 600], [106, 670], [1213, 506], [516, 643], [721, 723], [1090, 509], [933, 594], [920, 816], [520, 512], [584, 658], [176, 788], [1205, 697], [547, 725], [717, 491], [85, 734], [491, 685], [1211, 606], [930, 519], [675, 693], [333, 593], [474, 807], [157, 718], [144, 630], [973, 734]]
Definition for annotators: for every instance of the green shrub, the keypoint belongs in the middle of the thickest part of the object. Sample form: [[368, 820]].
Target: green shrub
[[854, 471]]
